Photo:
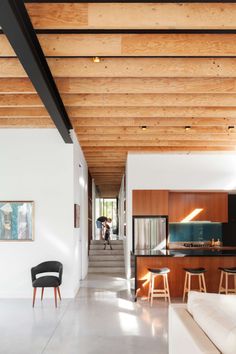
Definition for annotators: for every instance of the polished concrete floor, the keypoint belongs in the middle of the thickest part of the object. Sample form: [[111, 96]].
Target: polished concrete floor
[[100, 320]]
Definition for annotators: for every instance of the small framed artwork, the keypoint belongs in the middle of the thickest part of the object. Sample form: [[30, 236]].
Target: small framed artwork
[[76, 216], [16, 220]]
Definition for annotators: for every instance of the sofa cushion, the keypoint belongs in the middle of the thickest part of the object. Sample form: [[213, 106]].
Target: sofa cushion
[[216, 315]]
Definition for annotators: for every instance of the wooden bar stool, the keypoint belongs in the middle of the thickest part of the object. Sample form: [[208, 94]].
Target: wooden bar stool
[[201, 278], [224, 276], [152, 292]]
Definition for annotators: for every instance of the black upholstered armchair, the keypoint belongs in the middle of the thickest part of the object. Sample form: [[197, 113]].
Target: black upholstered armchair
[[47, 281]]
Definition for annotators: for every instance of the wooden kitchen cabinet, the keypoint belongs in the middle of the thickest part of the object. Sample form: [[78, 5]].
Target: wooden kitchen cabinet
[[150, 202], [214, 205]]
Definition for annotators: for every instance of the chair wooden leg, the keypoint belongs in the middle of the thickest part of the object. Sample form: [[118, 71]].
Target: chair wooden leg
[[221, 281], [59, 293], [204, 283], [55, 296], [149, 288], [42, 292], [200, 282], [185, 284], [152, 288], [34, 295], [189, 282], [226, 283], [167, 288]]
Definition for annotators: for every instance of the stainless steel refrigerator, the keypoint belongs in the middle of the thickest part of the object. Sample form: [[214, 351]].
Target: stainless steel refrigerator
[[149, 233]]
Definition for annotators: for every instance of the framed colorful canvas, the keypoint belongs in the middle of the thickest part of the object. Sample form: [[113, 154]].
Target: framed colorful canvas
[[16, 220], [76, 216]]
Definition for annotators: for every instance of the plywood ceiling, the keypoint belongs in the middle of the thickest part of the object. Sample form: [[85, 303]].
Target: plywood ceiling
[[184, 76]]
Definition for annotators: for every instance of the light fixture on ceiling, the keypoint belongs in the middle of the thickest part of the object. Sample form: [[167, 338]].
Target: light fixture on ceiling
[[187, 128], [96, 59], [144, 127], [230, 128]]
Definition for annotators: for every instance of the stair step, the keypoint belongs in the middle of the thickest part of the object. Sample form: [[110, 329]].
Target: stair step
[[97, 242], [107, 251], [99, 264], [106, 257], [101, 246], [112, 270]]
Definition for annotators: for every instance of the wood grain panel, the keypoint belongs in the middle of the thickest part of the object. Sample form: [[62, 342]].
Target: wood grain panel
[[168, 136], [132, 45], [122, 100], [150, 202], [139, 143], [58, 16], [155, 112], [132, 15], [214, 205], [150, 68], [152, 123], [152, 130], [151, 100], [145, 86], [176, 275]]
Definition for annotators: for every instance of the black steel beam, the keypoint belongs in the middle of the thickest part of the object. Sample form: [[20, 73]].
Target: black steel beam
[[17, 26]]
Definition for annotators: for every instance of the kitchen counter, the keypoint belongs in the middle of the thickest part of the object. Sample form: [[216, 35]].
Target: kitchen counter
[[188, 252], [209, 258]]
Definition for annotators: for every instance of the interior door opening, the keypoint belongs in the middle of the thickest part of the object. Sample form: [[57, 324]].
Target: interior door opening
[[107, 207]]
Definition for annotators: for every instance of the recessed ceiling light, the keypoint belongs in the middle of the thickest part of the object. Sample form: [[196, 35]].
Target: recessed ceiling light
[[230, 128], [96, 59], [187, 128], [144, 127]]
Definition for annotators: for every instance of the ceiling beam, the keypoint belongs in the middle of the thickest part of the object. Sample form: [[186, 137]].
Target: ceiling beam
[[16, 24]]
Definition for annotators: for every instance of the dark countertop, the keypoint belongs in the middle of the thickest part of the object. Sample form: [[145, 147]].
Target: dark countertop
[[186, 253]]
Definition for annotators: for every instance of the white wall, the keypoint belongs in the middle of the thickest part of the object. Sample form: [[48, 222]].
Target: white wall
[[212, 171], [81, 198], [35, 164]]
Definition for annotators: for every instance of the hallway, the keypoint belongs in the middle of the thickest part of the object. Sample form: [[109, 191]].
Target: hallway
[[99, 320]]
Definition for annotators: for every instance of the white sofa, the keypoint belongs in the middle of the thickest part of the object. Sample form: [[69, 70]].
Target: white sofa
[[207, 324]]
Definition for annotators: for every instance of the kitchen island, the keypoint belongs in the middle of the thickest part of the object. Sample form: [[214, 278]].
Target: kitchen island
[[176, 260]]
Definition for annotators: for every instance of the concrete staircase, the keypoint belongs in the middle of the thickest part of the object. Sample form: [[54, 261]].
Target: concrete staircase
[[106, 261]]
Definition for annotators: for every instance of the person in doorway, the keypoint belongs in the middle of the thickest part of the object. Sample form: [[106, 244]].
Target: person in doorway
[[101, 225], [107, 235]]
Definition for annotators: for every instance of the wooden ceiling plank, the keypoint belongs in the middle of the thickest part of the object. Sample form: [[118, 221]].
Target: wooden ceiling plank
[[16, 112], [150, 149], [104, 116], [132, 15], [138, 112], [122, 100], [137, 123], [97, 86], [143, 100], [136, 143], [132, 45], [143, 86], [153, 130], [150, 68], [188, 135]]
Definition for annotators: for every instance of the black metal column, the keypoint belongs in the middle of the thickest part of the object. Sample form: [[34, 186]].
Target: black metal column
[[18, 28]]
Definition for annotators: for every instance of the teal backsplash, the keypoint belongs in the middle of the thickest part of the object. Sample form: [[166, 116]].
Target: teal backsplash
[[187, 232]]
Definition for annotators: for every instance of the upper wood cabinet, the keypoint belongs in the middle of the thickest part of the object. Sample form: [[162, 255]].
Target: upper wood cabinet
[[214, 206], [150, 202]]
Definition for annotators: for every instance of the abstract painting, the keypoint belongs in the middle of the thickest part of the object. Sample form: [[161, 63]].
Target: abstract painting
[[76, 216], [16, 221]]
